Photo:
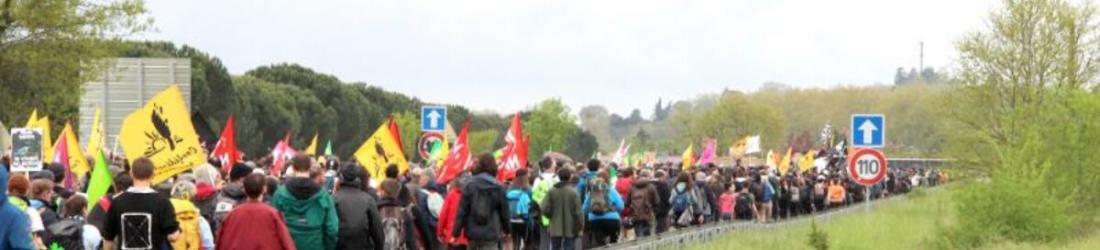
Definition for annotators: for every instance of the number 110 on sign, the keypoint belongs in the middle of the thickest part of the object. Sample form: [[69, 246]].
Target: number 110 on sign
[[867, 166]]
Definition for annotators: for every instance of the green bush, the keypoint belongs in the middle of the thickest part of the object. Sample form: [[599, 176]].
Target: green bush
[[1043, 188], [819, 240]]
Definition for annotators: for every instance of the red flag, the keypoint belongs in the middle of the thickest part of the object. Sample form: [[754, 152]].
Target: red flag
[[396, 134], [514, 155], [61, 155], [226, 149], [457, 160], [280, 154]]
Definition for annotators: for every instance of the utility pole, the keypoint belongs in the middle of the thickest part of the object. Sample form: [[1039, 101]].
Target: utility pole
[[921, 69]]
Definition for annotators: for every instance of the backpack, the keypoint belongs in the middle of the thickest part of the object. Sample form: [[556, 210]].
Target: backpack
[[393, 223], [641, 204], [67, 233], [519, 205], [482, 204], [681, 202], [188, 217], [435, 202], [597, 195], [222, 206], [743, 208]]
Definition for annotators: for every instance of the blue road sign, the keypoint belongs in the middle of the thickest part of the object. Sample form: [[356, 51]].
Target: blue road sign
[[433, 118], [868, 130]]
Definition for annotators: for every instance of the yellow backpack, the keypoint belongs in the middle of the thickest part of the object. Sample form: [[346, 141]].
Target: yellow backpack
[[188, 217]]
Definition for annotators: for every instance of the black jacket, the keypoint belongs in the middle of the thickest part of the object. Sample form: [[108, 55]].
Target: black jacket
[[425, 222], [663, 190], [482, 184], [360, 224]]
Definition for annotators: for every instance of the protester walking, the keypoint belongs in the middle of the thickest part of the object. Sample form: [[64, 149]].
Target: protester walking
[[146, 218], [254, 224], [483, 211], [310, 214], [360, 223], [562, 206]]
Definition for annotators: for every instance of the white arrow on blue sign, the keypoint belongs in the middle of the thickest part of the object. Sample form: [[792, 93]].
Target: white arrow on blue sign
[[433, 118], [868, 130]]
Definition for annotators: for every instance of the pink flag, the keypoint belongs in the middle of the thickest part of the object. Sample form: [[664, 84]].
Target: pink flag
[[708, 153]]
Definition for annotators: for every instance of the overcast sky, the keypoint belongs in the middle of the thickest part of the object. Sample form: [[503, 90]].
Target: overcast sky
[[505, 55]]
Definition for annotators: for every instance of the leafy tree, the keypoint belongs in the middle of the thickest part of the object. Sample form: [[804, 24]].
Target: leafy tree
[[549, 125], [581, 145], [409, 124], [45, 45], [482, 141]]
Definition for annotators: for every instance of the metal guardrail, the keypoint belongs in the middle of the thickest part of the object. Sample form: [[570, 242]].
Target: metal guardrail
[[695, 236]]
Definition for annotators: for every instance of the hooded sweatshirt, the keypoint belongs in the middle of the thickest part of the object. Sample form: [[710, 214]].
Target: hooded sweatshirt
[[15, 231], [310, 214], [482, 184]]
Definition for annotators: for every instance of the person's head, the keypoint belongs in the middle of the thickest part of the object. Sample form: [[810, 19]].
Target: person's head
[[564, 174], [42, 189], [546, 164], [626, 172], [684, 182], [58, 172], [593, 165], [75, 206], [142, 171], [426, 178], [660, 174], [122, 182], [301, 163], [645, 174], [389, 188], [255, 185], [351, 175], [272, 184], [486, 164], [238, 172], [392, 171], [520, 180], [183, 190], [18, 185], [415, 174]]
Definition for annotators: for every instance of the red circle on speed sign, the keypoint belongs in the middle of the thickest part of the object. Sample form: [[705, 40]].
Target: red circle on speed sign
[[867, 166]]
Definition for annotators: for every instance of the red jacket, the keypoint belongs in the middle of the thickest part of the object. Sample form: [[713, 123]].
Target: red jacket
[[254, 225], [447, 216]]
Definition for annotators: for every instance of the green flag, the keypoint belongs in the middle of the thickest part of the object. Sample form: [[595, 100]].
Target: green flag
[[328, 148], [100, 180]]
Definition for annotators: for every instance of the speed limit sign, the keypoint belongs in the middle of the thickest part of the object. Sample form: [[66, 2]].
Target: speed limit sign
[[867, 166]]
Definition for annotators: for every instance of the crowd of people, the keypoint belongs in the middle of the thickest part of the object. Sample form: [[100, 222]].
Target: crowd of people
[[327, 204]]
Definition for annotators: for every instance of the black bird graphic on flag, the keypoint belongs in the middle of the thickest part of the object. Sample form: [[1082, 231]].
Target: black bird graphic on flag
[[161, 124]]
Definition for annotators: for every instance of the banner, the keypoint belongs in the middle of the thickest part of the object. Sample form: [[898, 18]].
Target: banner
[[26, 149], [73, 159], [162, 131], [708, 153], [379, 151], [458, 159], [225, 150], [807, 161], [514, 155], [312, 148], [785, 162]]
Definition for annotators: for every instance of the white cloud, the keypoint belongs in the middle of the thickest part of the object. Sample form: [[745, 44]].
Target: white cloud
[[508, 55]]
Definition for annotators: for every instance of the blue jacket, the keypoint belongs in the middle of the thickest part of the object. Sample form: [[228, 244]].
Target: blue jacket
[[582, 182], [15, 231], [616, 202]]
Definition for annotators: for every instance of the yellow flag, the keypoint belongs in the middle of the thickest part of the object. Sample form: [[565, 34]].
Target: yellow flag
[[312, 148], [688, 157], [77, 162], [807, 161], [47, 140], [162, 132], [379, 151], [770, 159], [785, 162], [95, 140], [739, 147], [33, 119]]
